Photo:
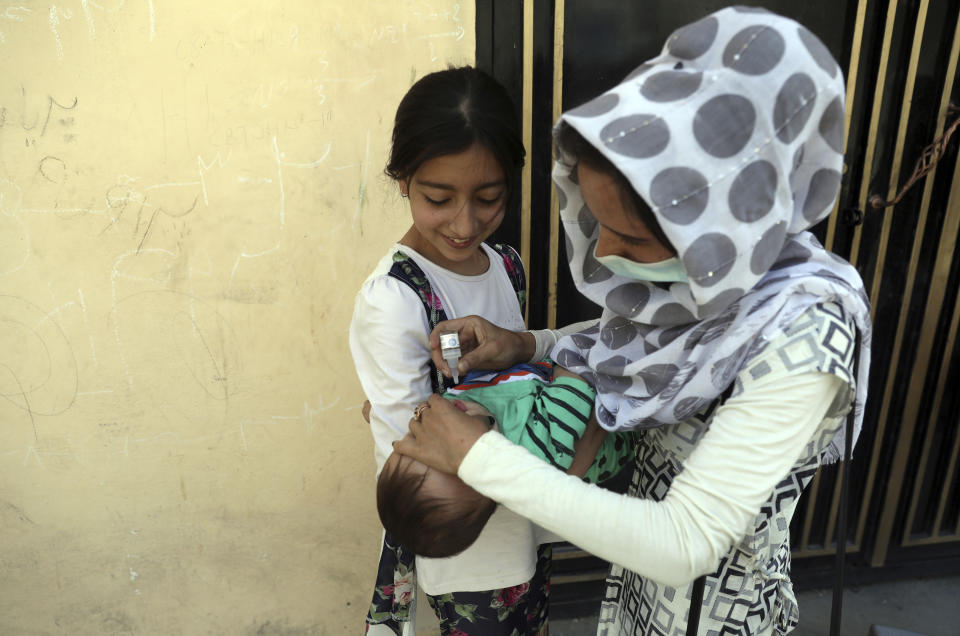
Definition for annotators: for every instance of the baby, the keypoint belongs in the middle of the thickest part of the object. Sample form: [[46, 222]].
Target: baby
[[542, 407]]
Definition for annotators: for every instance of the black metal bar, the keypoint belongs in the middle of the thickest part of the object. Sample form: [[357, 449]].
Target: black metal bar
[[836, 610], [696, 604]]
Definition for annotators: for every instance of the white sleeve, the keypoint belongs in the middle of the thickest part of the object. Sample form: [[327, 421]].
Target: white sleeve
[[546, 339], [753, 441], [388, 341]]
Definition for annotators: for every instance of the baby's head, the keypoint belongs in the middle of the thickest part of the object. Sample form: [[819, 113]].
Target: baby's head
[[430, 513]]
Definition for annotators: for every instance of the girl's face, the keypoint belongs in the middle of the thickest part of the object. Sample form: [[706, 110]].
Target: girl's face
[[457, 201], [622, 233]]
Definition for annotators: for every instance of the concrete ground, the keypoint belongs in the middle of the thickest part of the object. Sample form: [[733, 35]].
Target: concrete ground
[[928, 607]]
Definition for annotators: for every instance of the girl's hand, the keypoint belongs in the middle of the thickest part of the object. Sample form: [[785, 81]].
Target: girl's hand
[[483, 345], [442, 436]]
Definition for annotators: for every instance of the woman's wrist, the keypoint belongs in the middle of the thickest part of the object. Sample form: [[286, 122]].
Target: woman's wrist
[[527, 347], [543, 342]]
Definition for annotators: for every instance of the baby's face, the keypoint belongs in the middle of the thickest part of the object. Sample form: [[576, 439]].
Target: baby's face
[[474, 409]]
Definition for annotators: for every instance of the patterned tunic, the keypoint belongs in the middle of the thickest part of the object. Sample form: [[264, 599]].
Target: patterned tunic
[[750, 592]]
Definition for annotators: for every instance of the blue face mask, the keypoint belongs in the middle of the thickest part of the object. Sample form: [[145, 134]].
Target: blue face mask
[[668, 271]]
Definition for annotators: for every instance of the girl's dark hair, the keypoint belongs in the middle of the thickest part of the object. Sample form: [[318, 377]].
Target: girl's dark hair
[[572, 144], [448, 111]]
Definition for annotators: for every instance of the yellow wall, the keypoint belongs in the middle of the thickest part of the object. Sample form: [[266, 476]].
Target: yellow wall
[[191, 192]]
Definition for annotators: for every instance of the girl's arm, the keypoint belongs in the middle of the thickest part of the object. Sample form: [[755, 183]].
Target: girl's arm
[[388, 341]]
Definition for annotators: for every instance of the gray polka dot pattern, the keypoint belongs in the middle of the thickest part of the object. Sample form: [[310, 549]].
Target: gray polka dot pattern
[[628, 299], [612, 383], [669, 86], [721, 301], [617, 333], [822, 193], [688, 407], [793, 253], [754, 50], [679, 379], [637, 72], [753, 191], [593, 271], [637, 136], [768, 248], [821, 54], [831, 125], [710, 258], [613, 366], [672, 314], [569, 359], [795, 102], [693, 40], [596, 107], [742, 9], [657, 376], [588, 224], [709, 330], [724, 125], [797, 158], [681, 193], [733, 136], [669, 335], [584, 341], [724, 370]]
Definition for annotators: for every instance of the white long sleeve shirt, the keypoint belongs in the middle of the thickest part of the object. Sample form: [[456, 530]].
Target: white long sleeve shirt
[[751, 444]]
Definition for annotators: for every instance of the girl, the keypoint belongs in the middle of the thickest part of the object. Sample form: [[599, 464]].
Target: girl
[[456, 156]]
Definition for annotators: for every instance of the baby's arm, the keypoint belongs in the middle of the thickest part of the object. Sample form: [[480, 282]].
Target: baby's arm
[[586, 448]]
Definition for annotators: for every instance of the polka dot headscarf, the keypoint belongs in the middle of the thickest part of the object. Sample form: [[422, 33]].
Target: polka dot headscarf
[[734, 137]]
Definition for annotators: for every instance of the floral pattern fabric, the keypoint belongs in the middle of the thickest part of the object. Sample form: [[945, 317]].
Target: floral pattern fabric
[[519, 610]]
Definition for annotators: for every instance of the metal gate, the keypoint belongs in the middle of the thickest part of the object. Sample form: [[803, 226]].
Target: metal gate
[[900, 59]]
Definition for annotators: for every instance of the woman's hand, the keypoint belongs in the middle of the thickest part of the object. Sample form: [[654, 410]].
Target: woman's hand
[[442, 435], [483, 345]]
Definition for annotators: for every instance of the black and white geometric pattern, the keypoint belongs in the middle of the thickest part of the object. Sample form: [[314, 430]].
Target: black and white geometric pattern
[[750, 592]]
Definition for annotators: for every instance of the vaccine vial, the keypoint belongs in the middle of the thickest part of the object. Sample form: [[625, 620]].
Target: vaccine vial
[[450, 350]]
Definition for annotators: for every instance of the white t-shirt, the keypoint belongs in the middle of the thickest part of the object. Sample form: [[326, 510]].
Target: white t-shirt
[[389, 340]]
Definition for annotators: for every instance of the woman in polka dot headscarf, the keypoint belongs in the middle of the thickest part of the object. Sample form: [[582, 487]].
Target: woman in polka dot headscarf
[[727, 333]]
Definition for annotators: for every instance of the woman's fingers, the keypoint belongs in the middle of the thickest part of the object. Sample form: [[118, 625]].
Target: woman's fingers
[[407, 445], [486, 355], [472, 331], [483, 345], [442, 435]]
